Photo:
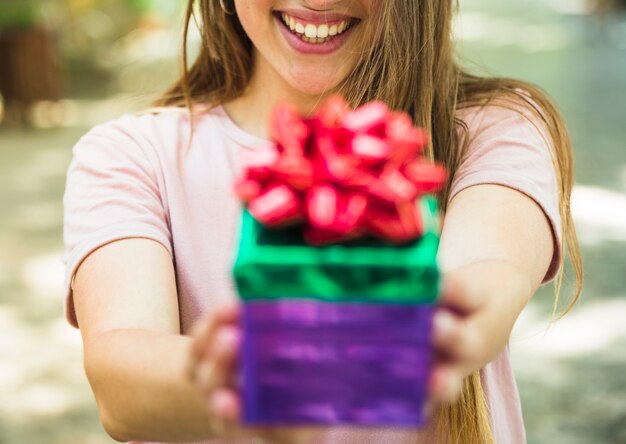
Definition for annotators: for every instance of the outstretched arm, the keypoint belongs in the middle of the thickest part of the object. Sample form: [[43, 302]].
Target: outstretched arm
[[496, 246], [150, 382], [125, 298]]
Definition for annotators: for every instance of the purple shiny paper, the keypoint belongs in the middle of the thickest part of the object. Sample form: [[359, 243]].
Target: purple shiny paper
[[311, 362]]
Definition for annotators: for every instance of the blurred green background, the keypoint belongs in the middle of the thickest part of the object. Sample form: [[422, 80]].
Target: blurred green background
[[68, 65]]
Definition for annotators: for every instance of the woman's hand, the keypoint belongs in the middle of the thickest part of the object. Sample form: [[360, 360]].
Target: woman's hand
[[213, 369], [456, 338], [478, 308], [212, 366]]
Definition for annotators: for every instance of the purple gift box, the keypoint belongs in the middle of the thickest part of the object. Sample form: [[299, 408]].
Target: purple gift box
[[312, 362]]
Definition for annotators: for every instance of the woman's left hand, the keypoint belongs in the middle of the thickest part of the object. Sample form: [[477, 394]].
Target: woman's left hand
[[459, 336], [496, 246]]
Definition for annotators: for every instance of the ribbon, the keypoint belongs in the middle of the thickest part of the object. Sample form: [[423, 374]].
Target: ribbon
[[342, 173]]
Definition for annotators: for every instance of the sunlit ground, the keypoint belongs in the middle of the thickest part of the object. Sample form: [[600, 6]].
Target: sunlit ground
[[571, 373]]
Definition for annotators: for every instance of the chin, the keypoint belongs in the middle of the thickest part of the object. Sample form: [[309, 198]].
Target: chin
[[315, 90], [316, 84]]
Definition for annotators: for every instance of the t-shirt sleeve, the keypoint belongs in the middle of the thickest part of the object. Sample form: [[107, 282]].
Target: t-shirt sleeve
[[510, 148], [112, 192]]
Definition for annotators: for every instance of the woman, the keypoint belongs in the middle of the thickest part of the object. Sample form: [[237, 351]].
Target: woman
[[150, 219]]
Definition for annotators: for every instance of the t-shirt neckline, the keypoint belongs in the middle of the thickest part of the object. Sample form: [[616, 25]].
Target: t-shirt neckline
[[237, 134]]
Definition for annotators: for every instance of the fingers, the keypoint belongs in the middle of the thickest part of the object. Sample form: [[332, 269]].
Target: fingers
[[224, 403], [445, 384], [217, 365], [204, 330], [455, 338], [457, 343], [212, 366]]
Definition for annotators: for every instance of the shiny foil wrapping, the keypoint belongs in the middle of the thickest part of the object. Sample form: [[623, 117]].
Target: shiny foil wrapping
[[313, 362]]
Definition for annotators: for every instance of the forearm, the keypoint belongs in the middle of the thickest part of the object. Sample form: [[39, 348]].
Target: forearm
[[139, 381]]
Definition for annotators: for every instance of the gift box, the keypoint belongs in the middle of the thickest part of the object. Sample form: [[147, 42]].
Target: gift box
[[336, 266], [311, 362], [337, 334]]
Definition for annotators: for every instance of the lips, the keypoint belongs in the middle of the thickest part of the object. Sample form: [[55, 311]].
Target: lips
[[313, 30], [310, 32]]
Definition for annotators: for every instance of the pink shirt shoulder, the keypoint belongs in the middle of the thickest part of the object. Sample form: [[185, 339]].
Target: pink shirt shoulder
[[142, 176], [511, 148]]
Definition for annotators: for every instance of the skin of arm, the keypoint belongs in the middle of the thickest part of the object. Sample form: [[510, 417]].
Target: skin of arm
[[126, 306], [496, 246]]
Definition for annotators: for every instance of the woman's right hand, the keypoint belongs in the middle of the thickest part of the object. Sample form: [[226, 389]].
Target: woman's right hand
[[213, 368]]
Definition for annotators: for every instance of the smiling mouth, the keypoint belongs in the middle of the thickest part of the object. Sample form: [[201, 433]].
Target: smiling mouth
[[315, 33]]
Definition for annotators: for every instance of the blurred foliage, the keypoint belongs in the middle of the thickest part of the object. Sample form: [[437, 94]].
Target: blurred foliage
[[18, 13], [92, 43], [98, 18]]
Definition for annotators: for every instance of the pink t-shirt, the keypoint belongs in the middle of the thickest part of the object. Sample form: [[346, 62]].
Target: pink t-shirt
[[138, 176]]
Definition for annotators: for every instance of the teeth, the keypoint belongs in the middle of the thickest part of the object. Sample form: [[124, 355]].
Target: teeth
[[311, 33]]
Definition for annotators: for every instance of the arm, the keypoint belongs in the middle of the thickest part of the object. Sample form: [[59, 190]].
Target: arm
[[496, 246], [125, 298]]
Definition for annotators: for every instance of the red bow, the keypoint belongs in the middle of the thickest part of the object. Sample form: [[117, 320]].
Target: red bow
[[344, 173]]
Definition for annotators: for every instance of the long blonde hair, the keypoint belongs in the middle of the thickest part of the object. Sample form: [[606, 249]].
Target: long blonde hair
[[412, 71]]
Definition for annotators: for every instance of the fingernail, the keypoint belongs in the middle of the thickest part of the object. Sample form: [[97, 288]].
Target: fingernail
[[229, 339], [221, 403], [443, 324], [217, 402]]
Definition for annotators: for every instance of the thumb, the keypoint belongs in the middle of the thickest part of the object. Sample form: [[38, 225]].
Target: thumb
[[461, 292]]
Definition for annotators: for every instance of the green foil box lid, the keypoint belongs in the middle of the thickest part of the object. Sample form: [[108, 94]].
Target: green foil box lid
[[278, 264]]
